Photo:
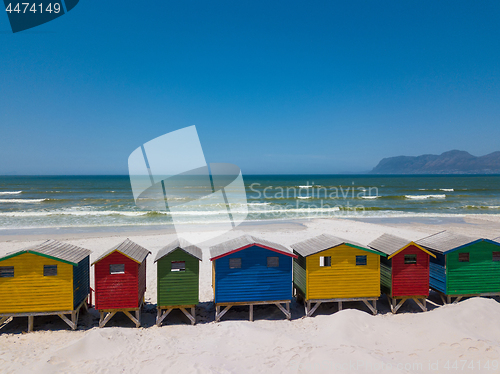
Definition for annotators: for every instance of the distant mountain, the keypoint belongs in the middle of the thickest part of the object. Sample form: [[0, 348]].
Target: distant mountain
[[452, 162]]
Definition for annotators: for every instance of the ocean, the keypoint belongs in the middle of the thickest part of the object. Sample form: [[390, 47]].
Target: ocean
[[107, 201]]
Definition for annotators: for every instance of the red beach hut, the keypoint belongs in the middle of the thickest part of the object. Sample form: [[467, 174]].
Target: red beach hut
[[404, 274], [120, 281]]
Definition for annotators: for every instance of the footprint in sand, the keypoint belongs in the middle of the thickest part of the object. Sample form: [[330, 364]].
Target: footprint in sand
[[442, 344], [472, 349], [413, 355], [455, 345]]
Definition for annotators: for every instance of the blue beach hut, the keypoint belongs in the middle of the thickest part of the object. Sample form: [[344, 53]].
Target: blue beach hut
[[251, 271]]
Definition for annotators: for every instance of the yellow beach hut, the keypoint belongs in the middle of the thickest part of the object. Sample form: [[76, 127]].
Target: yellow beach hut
[[51, 278], [331, 269]]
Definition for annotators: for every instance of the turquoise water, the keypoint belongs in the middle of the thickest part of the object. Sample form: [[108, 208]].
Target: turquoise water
[[40, 202]]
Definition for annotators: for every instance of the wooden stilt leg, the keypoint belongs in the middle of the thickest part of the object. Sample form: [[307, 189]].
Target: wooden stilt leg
[[251, 313], [340, 306], [138, 317], [191, 318], [106, 319], [193, 313], [74, 319], [219, 315], [457, 300], [372, 308], [286, 312], [161, 316], [30, 323], [5, 321], [422, 304], [389, 300], [311, 311], [132, 318], [399, 305]]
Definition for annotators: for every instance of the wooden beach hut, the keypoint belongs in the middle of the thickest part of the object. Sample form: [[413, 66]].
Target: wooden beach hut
[[463, 266], [178, 279], [251, 271], [120, 281], [404, 273], [51, 278], [331, 269]]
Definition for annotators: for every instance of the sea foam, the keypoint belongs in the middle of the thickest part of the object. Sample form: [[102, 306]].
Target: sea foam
[[22, 201], [10, 192], [424, 197]]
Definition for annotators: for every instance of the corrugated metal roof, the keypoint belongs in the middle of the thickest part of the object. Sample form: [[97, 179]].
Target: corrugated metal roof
[[389, 244], [129, 249], [58, 250], [320, 243], [243, 241], [445, 241], [181, 244]]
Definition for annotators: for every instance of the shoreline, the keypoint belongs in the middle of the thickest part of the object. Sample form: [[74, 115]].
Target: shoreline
[[487, 224]]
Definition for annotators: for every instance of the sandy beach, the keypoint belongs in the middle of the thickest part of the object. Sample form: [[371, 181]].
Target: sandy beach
[[351, 340]]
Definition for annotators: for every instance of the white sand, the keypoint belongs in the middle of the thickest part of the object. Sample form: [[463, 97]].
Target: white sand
[[348, 341]]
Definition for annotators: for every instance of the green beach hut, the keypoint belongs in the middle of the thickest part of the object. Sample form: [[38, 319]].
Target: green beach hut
[[463, 266], [178, 279]]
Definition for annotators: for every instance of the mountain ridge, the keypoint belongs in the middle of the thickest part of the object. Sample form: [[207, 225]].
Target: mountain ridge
[[451, 162]]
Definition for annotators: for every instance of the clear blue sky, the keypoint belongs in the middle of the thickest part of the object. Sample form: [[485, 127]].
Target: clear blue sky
[[272, 86]]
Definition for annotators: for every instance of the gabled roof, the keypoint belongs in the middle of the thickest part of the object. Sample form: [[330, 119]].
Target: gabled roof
[[181, 244], [497, 240], [391, 245], [129, 249], [323, 242], [56, 250], [445, 241], [245, 241]]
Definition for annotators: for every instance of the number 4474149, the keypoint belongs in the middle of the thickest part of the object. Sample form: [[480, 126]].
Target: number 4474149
[[33, 7], [471, 365]]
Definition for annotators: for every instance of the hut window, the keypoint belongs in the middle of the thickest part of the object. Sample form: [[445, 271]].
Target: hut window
[[49, 270], [496, 256], [410, 259], [325, 261], [360, 260], [273, 262], [178, 266], [463, 257], [6, 271], [235, 263], [117, 269]]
